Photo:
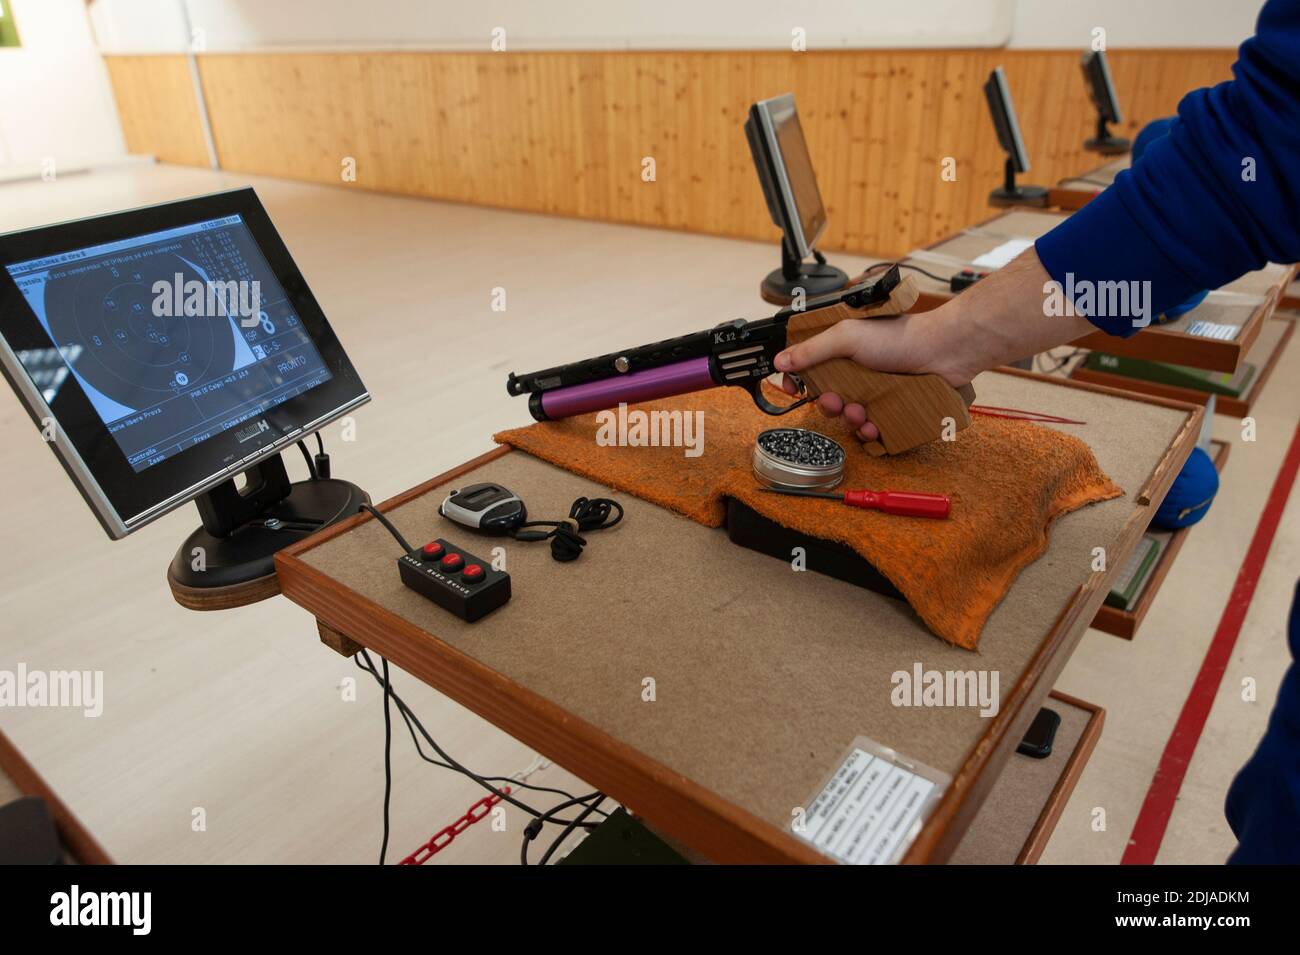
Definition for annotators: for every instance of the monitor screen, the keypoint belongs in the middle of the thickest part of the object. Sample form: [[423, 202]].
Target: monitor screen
[[803, 214], [173, 335], [1005, 123], [1101, 88], [163, 350]]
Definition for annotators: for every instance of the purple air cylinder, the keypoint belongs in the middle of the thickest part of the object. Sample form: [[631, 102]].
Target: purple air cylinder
[[675, 379]]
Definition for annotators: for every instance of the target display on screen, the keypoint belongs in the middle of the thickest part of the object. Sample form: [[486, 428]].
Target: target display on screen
[[174, 336]]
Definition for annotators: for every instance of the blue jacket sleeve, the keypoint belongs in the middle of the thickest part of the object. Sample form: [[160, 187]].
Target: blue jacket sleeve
[[1216, 198]]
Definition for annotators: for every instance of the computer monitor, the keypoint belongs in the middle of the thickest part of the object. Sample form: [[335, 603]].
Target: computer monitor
[[162, 352], [785, 172], [1101, 90], [1007, 126]]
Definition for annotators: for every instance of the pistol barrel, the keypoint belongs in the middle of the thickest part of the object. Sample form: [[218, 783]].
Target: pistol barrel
[[677, 378]]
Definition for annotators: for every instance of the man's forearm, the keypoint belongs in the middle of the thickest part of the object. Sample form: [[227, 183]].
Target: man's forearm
[[998, 320]]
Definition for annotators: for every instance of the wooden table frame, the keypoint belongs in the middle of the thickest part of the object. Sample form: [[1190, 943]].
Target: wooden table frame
[[76, 838], [1223, 404], [671, 802], [1125, 623], [1070, 199]]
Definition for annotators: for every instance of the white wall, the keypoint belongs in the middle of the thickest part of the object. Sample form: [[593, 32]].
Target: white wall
[[1040, 24], [157, 25], [57, 100], [223, 25]]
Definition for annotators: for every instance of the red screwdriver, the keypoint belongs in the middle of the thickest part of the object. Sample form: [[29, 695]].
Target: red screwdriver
[[905, 503]]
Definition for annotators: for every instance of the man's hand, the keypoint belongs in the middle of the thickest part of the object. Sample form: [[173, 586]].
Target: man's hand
[[1000, 319]]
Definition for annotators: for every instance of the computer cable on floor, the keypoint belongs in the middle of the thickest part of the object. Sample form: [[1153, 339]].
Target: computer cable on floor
[[534, 828], [390, 696], [410, 718], [569, 829]]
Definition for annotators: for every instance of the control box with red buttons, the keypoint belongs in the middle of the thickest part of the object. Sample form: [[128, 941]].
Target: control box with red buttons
[[455, 579]]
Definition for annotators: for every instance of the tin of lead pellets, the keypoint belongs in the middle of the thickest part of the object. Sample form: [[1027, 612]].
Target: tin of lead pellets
[[796, 457]]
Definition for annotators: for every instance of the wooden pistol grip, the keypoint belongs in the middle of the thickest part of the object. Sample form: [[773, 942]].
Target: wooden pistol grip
[[909, 410]]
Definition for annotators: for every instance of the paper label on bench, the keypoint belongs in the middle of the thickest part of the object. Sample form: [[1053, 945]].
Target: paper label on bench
[[872, 807], [1204, 329], [997, 257]]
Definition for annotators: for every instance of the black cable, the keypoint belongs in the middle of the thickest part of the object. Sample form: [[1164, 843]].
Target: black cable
[[322, 459], [568, 829], [905, 265], [464, 771], [931, 275], [586, 514], [388, 760], [306, 456], [389, 525], [534, 828], [408, 715], [1061, 363]]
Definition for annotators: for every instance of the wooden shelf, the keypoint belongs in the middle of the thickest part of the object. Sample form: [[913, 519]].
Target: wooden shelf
[[1025, 804], [1124, 623], [1268, 347], [1076, 192], [18, 775], [1247, 302]]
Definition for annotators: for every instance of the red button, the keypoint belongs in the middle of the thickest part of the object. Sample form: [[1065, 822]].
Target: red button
[[473, 573], [452, 562], [431, 550]]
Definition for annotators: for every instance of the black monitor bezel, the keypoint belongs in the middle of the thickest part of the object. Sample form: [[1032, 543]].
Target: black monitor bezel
[[760, 130], [1101, 86], [1005, 122], [135, 498]]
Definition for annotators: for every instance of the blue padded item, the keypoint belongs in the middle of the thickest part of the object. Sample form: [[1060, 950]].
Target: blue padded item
[[1190, 496]]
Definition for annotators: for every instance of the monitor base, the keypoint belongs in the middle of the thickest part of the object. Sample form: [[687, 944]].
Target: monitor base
[[1107, 145], [216, 573], [815, 278], [1019, 196]]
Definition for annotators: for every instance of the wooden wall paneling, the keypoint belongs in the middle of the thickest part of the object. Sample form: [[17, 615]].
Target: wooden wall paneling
[[565, 132], [157, 107]]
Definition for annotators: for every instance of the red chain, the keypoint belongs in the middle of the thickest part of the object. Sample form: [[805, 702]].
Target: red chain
[[443, 837]]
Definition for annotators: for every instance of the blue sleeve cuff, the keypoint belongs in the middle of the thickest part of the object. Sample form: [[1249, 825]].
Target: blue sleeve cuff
[[1110, 269]]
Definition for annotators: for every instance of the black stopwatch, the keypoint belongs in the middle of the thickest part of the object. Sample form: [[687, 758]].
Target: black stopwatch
[[488, 508]]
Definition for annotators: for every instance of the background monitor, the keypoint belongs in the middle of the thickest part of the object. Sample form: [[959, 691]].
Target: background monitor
[[794, 201], [1005, 123], [164, 350], [1007, 127], [1101, 90]]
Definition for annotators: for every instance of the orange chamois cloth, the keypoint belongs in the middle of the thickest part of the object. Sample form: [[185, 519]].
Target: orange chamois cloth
[[1008, 480]]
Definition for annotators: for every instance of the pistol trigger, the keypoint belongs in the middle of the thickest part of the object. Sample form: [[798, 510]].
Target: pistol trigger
[[767, 407]]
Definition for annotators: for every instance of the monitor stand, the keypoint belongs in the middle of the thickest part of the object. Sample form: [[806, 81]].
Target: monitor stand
[[1012, 194], [1105, 143], [230, 560], [815, 278]]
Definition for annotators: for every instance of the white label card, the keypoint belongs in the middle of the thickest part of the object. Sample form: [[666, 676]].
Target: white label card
[[997, 257], [872, 807], [1206, 329]]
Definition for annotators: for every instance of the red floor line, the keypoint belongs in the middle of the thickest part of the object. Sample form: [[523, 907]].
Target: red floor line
[[1158, 806]]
